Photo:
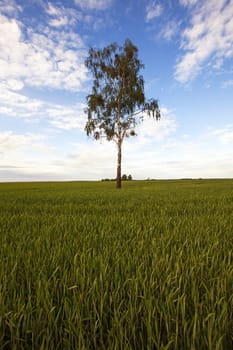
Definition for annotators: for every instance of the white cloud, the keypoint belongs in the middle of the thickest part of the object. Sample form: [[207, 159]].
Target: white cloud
[[26, 157], [9, 7], [227, 83], [177, 159], [169, 30], [153, 10], [218, 63], [224, 135], [210, 36], [61, 16], [187, 158], [96, 160], [59, 22], [92, 160], [38, 59], [12, 84], [210, 165], [188, 2], [52, 10], [150, 130], [94, 4], [11, 142], [67, 118], [15, 104]]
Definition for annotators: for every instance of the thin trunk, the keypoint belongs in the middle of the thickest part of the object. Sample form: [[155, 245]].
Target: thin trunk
[[119, 136], [119, 143], [118, 185]]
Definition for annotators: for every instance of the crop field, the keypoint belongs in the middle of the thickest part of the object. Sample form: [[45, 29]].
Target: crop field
[[85, 266]]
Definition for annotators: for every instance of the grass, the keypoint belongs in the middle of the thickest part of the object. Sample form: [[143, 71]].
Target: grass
[[84, 266]]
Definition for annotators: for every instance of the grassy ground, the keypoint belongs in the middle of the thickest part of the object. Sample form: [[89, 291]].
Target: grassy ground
[[86, 266]]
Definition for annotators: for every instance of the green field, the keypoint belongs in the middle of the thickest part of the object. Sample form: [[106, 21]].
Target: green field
[[86, 266]]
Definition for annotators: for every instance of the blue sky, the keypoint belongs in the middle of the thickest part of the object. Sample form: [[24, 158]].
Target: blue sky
[[187, 49]]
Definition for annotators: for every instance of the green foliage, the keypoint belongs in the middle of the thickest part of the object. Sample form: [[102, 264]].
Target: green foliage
[[87, 267], [126, 178], [118, 90]]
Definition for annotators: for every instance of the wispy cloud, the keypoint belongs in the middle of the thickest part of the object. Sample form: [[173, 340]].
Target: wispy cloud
[[188, 2], [227, 83], [11, 142], [169, 30], [31, 155], [94, 4], [153, 10], [62, 16], [67, 118], [150, 130], [9, 7], [224, 135], [195, 166], [209, 37], [15, 104]]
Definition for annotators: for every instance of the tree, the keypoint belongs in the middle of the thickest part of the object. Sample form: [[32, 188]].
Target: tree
[[117, 101], [124, 177], [130, 178]]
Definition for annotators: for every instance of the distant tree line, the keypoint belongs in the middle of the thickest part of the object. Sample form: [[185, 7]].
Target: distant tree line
[[123, 178], [126, 178]]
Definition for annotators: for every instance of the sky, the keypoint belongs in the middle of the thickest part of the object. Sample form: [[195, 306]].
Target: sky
[[186, 47]]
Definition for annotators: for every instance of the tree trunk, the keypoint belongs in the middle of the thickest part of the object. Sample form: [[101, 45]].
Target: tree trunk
[[119, 142], [118, 184]]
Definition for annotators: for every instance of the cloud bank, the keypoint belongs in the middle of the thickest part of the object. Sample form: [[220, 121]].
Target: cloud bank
[[208, 39]]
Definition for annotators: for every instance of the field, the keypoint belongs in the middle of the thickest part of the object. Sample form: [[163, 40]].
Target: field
[[86, 266]]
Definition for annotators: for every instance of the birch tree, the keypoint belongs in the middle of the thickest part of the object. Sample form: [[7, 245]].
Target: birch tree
[[117, 102]]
